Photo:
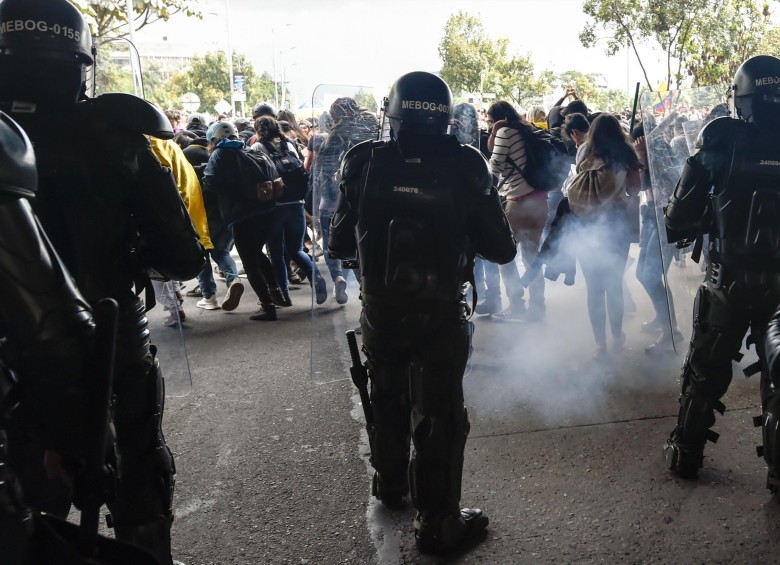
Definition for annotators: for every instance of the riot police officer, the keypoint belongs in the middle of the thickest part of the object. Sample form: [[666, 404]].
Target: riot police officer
[[730, 189], [48, 378], [414, 210], [112, 211]]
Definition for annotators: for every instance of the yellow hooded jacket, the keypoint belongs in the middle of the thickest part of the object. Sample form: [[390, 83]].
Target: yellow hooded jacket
[[170, 155]]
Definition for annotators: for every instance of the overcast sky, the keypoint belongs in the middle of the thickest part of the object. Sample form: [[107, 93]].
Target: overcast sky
[[372, 43]]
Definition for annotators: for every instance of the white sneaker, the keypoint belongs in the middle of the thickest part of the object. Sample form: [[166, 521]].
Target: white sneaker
[[340, 290], [209, 303], [234, 292]]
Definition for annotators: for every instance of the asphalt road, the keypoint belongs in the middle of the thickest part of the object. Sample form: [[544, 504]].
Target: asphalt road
[[564, 453]]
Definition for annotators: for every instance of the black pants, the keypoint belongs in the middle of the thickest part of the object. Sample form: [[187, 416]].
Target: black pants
[[250, 236], [416, 362]]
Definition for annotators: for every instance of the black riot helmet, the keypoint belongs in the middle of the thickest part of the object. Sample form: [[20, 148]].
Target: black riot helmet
[[46, 46], [18, 175], [419, 103], [48, 29], [263, 109], [756, 90]]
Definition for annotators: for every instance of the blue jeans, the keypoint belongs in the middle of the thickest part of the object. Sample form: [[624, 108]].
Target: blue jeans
[[487, 277], [334, 265], [554, 198], [286, 243], [651, 265], [223, 242]]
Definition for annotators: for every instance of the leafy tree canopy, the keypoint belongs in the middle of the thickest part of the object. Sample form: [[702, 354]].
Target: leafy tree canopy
[[473, 62], [208, 78], [704, 41], [108, 18]]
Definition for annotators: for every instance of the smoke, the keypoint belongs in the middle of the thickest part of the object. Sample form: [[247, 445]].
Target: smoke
[[548, 371]]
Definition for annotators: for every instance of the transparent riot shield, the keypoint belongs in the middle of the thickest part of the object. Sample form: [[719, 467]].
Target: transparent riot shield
[[117, 68], [355, 121], [670, 141], [166, 325]]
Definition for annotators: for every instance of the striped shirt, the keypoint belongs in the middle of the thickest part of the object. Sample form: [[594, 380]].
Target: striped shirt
[[509, 142]]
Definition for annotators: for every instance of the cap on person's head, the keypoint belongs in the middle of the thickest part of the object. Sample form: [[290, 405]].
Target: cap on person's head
[[263, 109], [196, 120]]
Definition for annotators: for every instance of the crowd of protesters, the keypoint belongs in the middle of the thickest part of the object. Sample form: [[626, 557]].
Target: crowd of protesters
[[281, 244]]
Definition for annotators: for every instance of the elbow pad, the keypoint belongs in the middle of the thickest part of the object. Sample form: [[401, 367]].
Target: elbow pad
[[688, 204]]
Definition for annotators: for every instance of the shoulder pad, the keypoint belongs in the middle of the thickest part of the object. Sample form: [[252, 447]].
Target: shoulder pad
[[357, 157], [132, 114], [718, 132], [473, 167]]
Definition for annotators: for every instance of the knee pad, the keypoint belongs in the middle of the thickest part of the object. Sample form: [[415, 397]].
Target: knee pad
[[436, 469], [147, 470]]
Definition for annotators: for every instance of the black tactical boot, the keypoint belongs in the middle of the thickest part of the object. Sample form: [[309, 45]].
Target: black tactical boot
[[154, 537], [445, 532], [684, 460], [389, 495]]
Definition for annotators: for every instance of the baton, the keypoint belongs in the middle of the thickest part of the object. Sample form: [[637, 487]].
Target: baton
[[633, 110], [359, 376]]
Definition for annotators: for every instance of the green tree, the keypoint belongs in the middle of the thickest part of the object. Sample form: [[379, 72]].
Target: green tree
[[473, 62], [737, 30], [111, 77], [589, 87], [157, 90], [770, 43], [366, 99], [208, 78], [701, 39], [667, 25], [108, 18]]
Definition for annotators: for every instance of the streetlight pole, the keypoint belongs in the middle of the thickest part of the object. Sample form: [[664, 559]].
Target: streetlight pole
[[135, 71], [229, 56], [273, 50]]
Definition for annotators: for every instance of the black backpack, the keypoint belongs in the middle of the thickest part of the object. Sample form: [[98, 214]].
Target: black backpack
[[254, 169], [547, 159], [290, 169]]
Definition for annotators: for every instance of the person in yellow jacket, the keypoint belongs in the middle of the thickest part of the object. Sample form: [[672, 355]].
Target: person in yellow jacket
[[170, 155]]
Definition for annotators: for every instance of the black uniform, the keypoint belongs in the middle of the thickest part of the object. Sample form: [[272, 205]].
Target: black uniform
[[50, 392], [730, 188], [113, 211], [415, 218]]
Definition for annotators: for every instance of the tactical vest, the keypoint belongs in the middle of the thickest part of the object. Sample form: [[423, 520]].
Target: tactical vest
[[745, 231], [412, 232]]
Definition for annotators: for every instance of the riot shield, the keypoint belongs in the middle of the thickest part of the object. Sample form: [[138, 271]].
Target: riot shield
[[355, 121], [670, 142], [117, 68], [166, 325]]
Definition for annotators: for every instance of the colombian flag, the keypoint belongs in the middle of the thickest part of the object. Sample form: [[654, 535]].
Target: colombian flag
[[664, 96]]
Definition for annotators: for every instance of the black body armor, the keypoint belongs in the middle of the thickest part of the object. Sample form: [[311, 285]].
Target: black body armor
[[418, 221]]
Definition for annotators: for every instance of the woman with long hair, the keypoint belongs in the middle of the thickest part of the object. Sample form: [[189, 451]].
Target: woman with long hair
[[605, 234], [289, 225], [526, 207]]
